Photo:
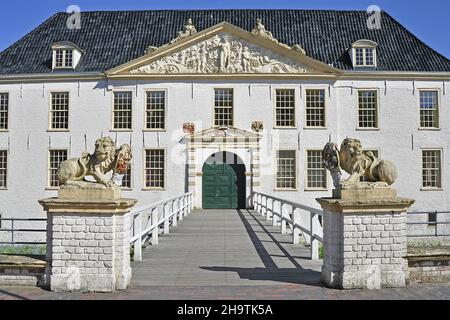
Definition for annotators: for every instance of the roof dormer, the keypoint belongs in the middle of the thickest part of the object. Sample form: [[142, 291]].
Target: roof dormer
[[363, 54], [66, 55]]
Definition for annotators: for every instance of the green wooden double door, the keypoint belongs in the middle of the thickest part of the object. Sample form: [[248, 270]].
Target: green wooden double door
[[220, 188]]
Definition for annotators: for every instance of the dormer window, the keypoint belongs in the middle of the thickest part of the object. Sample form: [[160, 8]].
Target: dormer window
[[363, 53], [66, 55]]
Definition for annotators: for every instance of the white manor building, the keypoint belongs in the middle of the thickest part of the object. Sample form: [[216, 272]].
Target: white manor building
[[268, 94]]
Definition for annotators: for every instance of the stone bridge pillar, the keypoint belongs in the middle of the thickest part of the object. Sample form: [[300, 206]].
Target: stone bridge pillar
[[88, 234], [364, 234]]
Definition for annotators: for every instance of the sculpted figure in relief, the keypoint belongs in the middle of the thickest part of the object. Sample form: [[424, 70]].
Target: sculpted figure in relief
[[104, 160], [357, 163]]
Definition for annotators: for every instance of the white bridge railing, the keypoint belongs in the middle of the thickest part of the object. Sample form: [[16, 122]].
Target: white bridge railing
[[293, 217], [146, 221]]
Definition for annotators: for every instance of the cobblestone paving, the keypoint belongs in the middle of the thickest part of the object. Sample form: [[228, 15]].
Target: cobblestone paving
[[229, 255]]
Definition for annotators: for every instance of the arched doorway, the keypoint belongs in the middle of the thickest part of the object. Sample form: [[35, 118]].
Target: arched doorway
[[224, 182]]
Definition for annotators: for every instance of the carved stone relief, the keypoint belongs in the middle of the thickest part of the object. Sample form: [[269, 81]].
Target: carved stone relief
[[222, 53]]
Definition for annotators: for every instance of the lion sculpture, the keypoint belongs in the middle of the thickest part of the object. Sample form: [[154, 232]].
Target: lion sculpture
[[357, 163], [104, 160]]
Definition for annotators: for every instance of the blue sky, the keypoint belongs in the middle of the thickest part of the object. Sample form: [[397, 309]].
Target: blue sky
[[429, 20]]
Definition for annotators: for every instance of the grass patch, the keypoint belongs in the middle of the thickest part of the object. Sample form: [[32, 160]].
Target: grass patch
[[37, 250]]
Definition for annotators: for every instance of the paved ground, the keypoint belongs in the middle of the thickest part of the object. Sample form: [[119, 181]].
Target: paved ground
[[230, 255]]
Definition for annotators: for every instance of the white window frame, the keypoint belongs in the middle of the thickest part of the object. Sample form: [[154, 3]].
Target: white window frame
[[438, 91], [64, 64], [7, 169], [377, 113], [50, 113], [145, 188], [276, 188], [275, 126], [8, 112], [307, 187], [441, 169], [233, 108], [324, 113], [113, 110], [364, 45], [49, 168], [146, 110]]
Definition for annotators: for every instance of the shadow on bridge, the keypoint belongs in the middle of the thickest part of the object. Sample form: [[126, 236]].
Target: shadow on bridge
[[271, 272]]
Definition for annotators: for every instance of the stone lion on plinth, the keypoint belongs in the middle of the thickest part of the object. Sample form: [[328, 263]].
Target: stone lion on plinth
[[104, 160], [357, 163]]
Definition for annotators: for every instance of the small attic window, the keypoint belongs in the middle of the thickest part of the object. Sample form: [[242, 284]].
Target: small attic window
[[364, 53], [66, 55]]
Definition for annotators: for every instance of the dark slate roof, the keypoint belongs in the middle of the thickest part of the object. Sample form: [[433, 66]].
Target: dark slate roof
[[116, 37]]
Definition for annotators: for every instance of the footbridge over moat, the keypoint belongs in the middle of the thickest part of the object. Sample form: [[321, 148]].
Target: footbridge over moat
[[220, 247]]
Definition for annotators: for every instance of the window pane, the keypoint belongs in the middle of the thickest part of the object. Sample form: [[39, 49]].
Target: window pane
[[315, 108], [367, 109], [223, 107], [122, 110], [69, 58], [369, 57], [431, 171], [3, 168], [429, 109], [359, 56], [57, 157], [60, 111], [285, 108], [126, 181], [4, 104], [286, 169], [154, 168], [317, 174], [155, 113], [59, 58]]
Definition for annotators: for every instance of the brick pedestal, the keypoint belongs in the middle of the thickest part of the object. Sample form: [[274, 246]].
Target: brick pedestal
[[88, 246], [364, 234]]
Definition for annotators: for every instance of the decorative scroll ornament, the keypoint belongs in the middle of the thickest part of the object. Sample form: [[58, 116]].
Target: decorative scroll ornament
[[257, 126], [222, 53], [189, 127]]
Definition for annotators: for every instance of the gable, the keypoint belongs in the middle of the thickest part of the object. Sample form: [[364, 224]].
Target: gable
[[224, 50]]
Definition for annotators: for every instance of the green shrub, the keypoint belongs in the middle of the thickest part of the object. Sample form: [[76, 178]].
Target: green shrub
[[37, 250]]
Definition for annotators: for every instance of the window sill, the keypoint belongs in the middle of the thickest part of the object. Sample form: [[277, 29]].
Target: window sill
[[285, 190], [285, 128], [51, 189], [153, 189], [315, 128], [429, 129], [126, 189], [3, 189], [4, 130], [154, 130], [58, 130], [316, 190], [367, 129], [431, 189], [121, 130]]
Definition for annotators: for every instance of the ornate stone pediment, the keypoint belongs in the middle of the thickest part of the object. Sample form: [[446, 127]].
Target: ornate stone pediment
[[223, 53], [222, 134]]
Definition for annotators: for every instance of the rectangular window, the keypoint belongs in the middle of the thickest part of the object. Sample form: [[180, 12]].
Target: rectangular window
[[431, 169], [286, 169], [3, 168], [315, 108], [126, 181], [367, 109], [359, 56], [4, 108], [155, 112], [316, 172], [369, 57], [154, 168], [429, 109], [59, 113], [59, 58], [69, 58], [285, 108], [223, 107], [122, 113], [56, 158]]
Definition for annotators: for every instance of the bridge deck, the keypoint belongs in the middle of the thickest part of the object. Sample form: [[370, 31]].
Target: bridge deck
[[225, 247]]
